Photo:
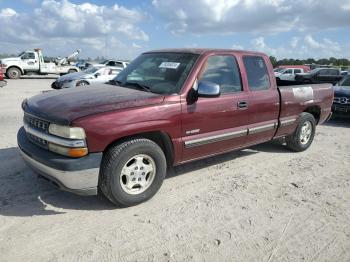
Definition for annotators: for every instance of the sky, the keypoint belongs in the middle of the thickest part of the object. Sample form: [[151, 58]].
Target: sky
[[125, 28]]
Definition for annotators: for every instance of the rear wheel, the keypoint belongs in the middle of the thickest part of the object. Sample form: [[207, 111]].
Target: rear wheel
[[82, 83], [303, 135], [132, 171], [13, 73]]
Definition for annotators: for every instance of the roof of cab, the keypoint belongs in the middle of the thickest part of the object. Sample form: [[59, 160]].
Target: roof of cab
[[201, 51]]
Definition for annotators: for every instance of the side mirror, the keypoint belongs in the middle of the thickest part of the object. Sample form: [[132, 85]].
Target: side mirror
[[208, 89], [202, 89], [97, 75]]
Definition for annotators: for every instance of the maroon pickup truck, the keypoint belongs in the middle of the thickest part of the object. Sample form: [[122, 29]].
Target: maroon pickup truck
[[166, 108], [2, 81]]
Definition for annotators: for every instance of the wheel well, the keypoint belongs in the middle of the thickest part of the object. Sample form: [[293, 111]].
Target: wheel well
[[162, 139], [315, 111], [15, 67]]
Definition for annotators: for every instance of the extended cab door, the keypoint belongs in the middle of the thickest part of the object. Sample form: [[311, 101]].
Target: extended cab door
[[263, 101], [30, 61], [216, 124]]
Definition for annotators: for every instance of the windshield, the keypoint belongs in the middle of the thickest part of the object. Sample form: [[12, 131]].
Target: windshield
[[162, 73], [20, 54], [315, 70], [345, 81], [91, 70], [278, 70]]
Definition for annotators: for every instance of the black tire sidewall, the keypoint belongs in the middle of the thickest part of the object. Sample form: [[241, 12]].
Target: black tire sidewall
[[80, 83], [304, 118], [118, 163]]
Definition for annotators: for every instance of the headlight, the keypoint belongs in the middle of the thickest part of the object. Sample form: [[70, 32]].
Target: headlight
[[67, 132]]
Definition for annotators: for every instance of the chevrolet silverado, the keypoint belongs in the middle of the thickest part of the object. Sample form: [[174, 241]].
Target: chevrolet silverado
[[166, 108]]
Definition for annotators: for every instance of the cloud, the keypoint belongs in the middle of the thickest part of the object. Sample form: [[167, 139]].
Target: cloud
[[252, 16], [301, 48], [237, 47], [7, 12], [88, 26]]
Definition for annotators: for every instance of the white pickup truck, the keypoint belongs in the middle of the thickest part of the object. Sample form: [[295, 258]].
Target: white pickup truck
[[288, 74], [32, 62]]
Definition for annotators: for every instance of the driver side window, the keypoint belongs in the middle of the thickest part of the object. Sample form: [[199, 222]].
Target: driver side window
[[28, 56], [323, 72], [222, 70]]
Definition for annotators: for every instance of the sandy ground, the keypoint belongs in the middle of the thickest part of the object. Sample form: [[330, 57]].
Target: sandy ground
[[259, 204]]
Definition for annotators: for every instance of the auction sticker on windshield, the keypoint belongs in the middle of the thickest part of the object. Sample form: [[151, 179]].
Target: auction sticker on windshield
[[169, 65]]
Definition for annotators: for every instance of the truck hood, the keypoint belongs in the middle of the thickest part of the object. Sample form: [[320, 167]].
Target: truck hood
[[64, 106], [342, 91], [10, 59]]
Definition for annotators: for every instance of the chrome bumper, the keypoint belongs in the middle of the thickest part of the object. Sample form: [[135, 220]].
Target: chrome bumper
[[82, 182]]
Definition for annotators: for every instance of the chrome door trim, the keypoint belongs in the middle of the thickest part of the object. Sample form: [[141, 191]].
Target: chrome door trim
[[262, 128], [216, 138], [287, 122]]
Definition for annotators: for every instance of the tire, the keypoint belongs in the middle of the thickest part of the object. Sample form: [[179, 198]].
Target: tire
[[303, 135], [82, 83], [13, 73], [126, 162], [72, 71]]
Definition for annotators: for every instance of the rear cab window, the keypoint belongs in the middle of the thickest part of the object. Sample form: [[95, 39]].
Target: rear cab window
[[257, 73], [222, 70]]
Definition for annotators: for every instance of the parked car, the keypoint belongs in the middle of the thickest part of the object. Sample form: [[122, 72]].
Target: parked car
[[320, 75], [187, 104], [341, 102], [305, 68], [92, 75], [288, 74], [32, 62], [83, 65], [2, 81], [117, 63]]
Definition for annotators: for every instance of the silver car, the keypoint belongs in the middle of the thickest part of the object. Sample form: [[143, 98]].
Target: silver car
[[95, 74]]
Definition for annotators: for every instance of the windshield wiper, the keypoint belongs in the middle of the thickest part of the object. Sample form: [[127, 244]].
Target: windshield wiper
[[138, 85]]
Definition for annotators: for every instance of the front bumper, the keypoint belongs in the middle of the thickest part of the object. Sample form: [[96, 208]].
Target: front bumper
[[3, 83], [339, 109], [76, 175]]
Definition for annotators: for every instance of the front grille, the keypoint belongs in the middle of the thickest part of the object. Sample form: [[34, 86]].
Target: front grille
[[39, 125], [36, 123], [342, 100], [38, 141]]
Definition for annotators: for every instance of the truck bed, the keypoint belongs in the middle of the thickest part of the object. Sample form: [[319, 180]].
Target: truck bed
[[313, 98]]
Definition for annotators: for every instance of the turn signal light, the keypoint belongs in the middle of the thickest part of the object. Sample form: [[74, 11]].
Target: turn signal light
[[68, 151], [77, 152]]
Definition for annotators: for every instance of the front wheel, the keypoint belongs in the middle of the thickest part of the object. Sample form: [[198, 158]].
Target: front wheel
[[13, 73], [82, 83], [303, 135], [132, 171]]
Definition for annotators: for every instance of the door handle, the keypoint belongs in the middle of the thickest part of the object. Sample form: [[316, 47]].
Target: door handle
[[242, 105]]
